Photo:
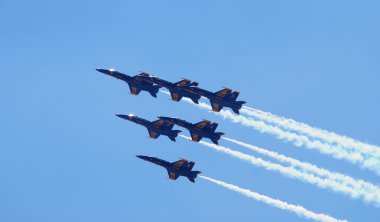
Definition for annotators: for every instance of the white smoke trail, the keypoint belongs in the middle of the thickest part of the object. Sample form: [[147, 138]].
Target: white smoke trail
[[299, 210], [366, 190], [287, 171], [313, 132], [337, 152]]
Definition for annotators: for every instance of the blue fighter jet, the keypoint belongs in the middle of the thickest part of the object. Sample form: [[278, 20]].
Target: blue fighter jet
[[155, 128], [181, 167], [175, 90], [136, 83], [223, 98], [198, 130]]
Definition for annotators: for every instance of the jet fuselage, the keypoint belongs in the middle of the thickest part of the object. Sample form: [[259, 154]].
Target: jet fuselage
[[154, 129], [171, 167], [136, 83]]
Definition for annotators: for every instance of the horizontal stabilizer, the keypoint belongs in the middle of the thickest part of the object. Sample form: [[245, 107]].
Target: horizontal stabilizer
[[236, 110], [173, 137], [215, 141], [195, 100], [154, 94], [154, 91]]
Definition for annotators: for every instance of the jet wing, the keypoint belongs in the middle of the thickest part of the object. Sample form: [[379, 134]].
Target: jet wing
[[195, 137], [172, 175], [134, 90], [189, 165], [153, 134], [203, 124], [234, 95], [143, 78], [183, 82], [162, 123], [180, 163], [213, 127], [222, 93], [216, 106]]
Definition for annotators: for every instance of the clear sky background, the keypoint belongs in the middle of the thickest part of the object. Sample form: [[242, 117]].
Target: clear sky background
[[64, 156]]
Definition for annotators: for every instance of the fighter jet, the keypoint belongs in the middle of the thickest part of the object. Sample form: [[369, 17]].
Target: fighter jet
[[219, 99], [199, 130], [155, 128], [136, 83], [178, 168], [175, 90]]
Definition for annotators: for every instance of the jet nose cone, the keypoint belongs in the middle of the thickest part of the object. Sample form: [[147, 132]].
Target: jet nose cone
[[106, 71], [101, 70], [142, 157], [121, 116], [128, 117]]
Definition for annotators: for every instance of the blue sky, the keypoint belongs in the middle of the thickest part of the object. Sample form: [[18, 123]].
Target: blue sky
[[64, 156]]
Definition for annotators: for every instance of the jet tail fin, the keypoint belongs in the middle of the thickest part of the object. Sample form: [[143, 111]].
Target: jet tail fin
[[192, 179], [240, 104], [154, 91], [215, 141]]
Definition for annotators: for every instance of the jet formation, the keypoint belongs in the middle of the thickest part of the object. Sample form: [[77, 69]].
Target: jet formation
[[164, 125], [184, 88]]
